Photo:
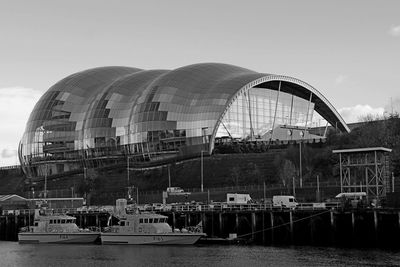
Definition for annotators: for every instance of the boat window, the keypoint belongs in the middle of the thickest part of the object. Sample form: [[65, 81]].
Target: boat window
[[58, 221], [36, 224], [155, 220], [122, 223], [62, 221], [51, 221], [146, 220], [140, 220]]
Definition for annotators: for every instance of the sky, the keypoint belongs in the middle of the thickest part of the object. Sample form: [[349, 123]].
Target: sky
[[348, 50]]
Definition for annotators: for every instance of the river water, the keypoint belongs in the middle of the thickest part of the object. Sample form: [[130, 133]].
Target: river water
[[14, 254]]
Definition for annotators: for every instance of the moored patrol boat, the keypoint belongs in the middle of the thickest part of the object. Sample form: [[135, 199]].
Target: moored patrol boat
[[145, 229], [54, 228]]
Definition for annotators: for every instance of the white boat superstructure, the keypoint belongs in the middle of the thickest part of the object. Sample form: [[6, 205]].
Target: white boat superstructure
[[147, 228], [56, 229]]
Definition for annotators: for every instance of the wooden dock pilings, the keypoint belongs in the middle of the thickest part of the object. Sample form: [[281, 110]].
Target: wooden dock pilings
[[349, 228], [352, 228]]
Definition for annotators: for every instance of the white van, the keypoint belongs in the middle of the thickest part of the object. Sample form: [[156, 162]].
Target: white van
[[238, 198], [284, 202], [174, 190]]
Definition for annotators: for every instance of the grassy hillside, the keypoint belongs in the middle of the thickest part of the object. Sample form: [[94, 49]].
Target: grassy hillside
[[251, 166]]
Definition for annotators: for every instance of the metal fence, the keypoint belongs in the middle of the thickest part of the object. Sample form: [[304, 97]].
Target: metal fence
[[247, 188], [251, 207]]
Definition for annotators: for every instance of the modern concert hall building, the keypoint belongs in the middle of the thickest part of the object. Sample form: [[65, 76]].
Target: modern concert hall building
[[111, 115]]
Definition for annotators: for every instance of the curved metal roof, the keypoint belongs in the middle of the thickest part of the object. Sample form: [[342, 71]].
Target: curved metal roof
[[128, 103], [74, 93]]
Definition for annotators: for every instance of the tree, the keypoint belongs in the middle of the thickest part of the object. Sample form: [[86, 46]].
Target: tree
[[235, 175], [287, 172], [88, 184]]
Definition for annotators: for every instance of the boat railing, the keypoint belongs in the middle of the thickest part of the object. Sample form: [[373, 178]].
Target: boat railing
[[46, 212], [194, 229], [93, 229], [24, 229]]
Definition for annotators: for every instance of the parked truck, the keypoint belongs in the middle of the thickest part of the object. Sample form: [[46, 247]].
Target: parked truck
[[238, 198], [284, 202]]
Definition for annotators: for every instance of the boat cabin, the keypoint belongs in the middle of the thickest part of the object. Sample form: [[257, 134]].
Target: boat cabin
[[55, 223], [143, 223]]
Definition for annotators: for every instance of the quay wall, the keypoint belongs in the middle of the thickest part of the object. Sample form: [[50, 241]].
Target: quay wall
[[344, 228]]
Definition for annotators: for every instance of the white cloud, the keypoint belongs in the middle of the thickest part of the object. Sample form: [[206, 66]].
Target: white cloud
[[8, 153], [395, 31], [354, 114], [340, 79], [16, 104]]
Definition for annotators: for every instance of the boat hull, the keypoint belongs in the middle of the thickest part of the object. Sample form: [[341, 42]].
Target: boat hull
[[150, 239], [60, 238]]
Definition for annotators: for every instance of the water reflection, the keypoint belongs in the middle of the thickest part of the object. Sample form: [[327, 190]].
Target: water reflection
[[14, 254]]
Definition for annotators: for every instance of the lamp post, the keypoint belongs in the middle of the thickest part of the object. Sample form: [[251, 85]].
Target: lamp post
[[300, 167], [169, 177], [294, 186], [130, 192], [45, 182], [205, 141], [318, 193], [202, 169], [128, 178], [137, 195], [127, 169]]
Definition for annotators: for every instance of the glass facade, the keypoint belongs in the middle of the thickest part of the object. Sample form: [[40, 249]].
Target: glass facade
[[259, 112], [106, 114]]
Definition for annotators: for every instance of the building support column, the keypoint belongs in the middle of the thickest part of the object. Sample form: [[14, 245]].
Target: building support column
[[376, 226], [333, 227], [204, 220], [263, 227], [173, 221], [271, 215], [237, 222], [353, 222], [253, 225], [291, 227], [6, 228], [212, 223], [221, 225], [276, 108]]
